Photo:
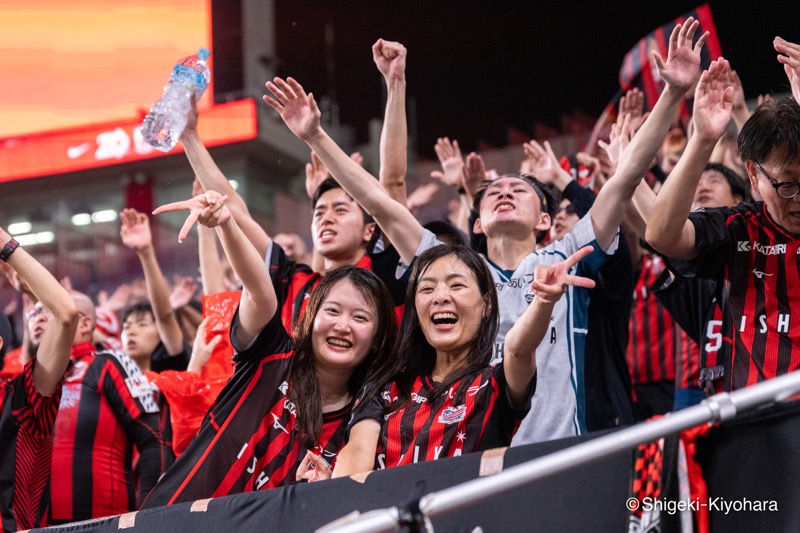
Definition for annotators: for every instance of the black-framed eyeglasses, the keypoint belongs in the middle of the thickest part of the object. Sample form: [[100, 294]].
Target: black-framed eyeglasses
[[786, 190]]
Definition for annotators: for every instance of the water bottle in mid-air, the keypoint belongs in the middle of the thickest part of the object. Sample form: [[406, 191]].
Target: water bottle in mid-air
[[163, 125]]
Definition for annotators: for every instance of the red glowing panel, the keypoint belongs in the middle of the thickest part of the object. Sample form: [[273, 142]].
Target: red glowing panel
[[115, 142], [67, 63]]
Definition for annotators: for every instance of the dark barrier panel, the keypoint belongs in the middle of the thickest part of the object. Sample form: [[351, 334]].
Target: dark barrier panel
[[590, 498], [754, 459], [745, 463]]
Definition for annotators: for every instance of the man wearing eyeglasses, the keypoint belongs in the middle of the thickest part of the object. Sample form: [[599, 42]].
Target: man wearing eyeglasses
[[750, 250]]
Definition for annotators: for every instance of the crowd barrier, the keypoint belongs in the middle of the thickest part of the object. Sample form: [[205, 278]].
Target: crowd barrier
[[753, 459]]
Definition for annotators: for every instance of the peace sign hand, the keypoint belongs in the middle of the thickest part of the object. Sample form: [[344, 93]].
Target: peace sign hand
[[550, 281]]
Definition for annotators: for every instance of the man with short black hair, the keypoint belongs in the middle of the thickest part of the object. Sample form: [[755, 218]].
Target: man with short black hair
[[750, 250]]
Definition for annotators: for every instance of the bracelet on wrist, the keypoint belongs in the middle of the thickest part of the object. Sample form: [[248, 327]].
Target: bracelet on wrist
[[8, 249]]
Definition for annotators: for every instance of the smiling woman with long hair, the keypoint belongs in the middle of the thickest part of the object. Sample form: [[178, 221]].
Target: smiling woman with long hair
[[286, 397], [438, 395]]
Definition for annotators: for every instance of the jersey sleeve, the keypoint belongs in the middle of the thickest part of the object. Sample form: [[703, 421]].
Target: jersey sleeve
[[161, 360], [365, 408], [385, 265], [272, 339], [583, 235], [37, 412], [712, 243]]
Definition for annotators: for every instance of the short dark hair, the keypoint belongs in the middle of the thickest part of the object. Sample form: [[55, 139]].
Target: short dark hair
[[330, 184], [774, 128], [738, 185], [446, 232], [141, 308], [546, 199]]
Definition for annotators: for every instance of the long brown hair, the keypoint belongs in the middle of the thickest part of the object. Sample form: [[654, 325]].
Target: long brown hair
[[414, 356], [305, 392]]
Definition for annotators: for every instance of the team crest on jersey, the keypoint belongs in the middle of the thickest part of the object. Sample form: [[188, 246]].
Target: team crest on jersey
[[451, 415], [528, 295]]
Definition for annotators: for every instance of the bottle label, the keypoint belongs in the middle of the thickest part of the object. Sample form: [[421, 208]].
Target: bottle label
[[189, 78]]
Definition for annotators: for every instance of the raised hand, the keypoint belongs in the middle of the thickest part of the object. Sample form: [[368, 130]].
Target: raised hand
[[202, 350], [118, 300], [474, 174], [550, 281], [620, 138], [681, 69], [544, 163], [737, 95], [316, 173], [713, 101], [632, 103], [421, 196], [208, 209], [135, 230], [390, 58], [791, 63], [452, 162], [183, 292], [297, 109], [321, 470]]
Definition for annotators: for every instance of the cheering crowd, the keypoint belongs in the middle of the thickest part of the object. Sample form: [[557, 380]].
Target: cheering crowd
[[580, 293]]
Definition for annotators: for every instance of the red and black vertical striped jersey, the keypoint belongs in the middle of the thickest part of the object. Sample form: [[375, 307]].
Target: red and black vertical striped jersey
[[693, 305], [249, 440], [657, 345], [422, 431], [26, 426], [756, 265], [294, 282], [106, 408]]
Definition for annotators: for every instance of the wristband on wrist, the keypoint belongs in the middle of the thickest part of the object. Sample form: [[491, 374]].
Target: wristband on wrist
[[8, 249]]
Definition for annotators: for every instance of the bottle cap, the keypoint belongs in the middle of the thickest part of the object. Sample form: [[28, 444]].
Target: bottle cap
[[203, 53]]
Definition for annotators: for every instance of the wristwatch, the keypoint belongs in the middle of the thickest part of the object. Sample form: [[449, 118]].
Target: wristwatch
[[8, 249]]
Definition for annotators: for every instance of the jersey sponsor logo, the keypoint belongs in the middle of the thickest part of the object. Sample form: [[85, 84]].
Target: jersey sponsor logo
[[451, 415], [763, 249], [417, 398], [289, 406], [472, 391], [70, 396], [781, 326], [77, 371], [760, 275], [284, 388], [276, 424]]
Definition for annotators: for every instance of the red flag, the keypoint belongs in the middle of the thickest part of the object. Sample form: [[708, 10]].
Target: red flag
[[638, 71]]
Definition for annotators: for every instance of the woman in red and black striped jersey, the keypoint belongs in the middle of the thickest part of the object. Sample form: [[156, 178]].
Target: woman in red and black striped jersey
[[286, 396], [438, 396]]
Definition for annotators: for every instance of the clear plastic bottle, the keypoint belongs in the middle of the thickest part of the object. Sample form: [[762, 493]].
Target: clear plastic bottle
[[163, 125]]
